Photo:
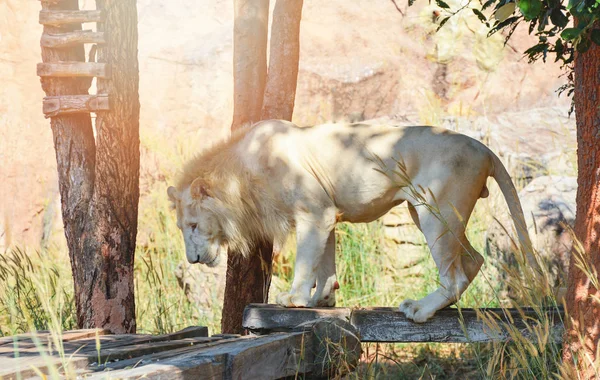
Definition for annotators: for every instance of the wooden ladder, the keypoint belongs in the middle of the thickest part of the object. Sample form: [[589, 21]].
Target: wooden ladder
[[70, 104]]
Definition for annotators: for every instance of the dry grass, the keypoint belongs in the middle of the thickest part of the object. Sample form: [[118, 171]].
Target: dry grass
[[37, 289]]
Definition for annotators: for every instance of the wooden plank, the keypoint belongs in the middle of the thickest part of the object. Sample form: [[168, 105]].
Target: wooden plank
[[153, 357], [447, 325], [44, 335], [129, 340], [260, 318], [24, 366], [51, 17], [71, 346], [251, 357], [83, 352], [390, 325], [69, 104], [73, 69], [73, 38]]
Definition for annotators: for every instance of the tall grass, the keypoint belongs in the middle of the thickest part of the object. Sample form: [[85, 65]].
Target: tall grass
[[37, 295], [36, 291]]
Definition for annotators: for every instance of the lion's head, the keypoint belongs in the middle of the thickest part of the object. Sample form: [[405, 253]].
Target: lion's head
[[202, 234], [222, 205]]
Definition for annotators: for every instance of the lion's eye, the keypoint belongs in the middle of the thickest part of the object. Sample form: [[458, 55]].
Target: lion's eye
[[193, 226]]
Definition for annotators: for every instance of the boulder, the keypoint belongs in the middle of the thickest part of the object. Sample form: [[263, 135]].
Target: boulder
[[203, 286]]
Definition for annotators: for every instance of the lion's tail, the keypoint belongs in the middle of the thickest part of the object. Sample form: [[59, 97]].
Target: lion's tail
[[514, 206]]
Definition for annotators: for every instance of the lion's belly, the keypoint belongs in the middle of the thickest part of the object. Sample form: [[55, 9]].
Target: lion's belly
[[367, 214], [367, 206]]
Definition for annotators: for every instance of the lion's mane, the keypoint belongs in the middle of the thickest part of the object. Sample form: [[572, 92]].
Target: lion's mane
[[246, 206]]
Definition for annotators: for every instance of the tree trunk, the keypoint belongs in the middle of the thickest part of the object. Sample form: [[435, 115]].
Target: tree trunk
[[99, 184], [75, 149], [248, 279], [250, 29], [109, 244], [280, 91], [583, 302]]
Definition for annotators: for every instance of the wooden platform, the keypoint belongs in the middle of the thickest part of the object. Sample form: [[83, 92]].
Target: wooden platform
[[187, 354], [386, 324]]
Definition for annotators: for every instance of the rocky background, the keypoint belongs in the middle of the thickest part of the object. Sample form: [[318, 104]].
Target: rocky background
[[359, 60]]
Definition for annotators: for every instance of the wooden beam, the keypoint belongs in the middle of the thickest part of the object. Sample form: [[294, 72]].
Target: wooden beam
[[326, 347], [73, 69], [51, 17], [387, 324], [250, 357], [75, 37], [45, 335], [68, 104], [448, 325], [260, 318], [23, 358]]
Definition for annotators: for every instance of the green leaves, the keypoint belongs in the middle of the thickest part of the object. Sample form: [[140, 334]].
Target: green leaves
[[479, 15], [530, 8], [505, 11], [558, 18], [442, 4], [570, 34]]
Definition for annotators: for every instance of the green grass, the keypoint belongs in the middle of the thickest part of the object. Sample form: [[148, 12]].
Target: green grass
[[37, 295]]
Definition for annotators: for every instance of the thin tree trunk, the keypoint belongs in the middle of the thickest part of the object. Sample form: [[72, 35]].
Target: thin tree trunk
[[583, 302], [280, 91], [99, 181], [250, 32], [247, 279]]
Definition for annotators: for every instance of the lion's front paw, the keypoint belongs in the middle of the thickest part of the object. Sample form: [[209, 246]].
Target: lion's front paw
[[291, 300], [415, 311]]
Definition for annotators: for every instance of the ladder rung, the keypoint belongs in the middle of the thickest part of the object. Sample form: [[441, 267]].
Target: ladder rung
[[69, 104], [72, 38], [73, 69], [70, 17]]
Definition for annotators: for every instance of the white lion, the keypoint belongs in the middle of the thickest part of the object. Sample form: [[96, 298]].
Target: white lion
[[274, 177]]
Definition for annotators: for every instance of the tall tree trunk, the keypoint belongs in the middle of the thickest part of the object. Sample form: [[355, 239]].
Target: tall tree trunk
[[248, 279], [109, 243], [75, 150], [583, 302], [280, 91], [250, 32], [99, 183]]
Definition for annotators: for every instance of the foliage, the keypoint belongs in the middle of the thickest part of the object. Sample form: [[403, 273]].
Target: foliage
[[561, 27]]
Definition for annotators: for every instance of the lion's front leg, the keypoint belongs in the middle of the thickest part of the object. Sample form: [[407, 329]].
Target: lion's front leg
[[324, 294], [311, 246]]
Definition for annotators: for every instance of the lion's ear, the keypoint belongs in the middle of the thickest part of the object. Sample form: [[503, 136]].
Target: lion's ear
[[199, 189], [173, 193], [173, 196]]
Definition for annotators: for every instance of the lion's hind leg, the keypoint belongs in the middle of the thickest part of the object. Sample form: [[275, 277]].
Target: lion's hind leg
[[457, 261]]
